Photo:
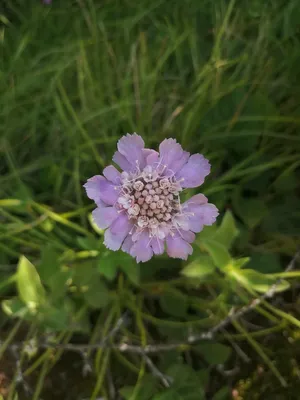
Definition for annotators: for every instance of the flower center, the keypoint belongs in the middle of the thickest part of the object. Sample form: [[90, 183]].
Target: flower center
[[150, 200]]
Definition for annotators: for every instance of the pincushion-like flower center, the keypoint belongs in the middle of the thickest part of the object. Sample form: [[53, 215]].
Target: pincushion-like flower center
[[150, 200]]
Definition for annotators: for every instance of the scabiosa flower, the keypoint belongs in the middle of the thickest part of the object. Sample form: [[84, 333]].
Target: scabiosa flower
[[140, 207]]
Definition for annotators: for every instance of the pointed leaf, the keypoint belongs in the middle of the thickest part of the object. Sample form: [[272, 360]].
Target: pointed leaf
[[130, 268], [49, 264], [97, 294], [14, 307], [145, 391], [207, 233], [108, 265], [227, 231], [265, 263], [260, 282], [202, 267], [217, 251], [251, 211], [214, 353], [174, 303], [222, 394], [29, 285], [54, 318]]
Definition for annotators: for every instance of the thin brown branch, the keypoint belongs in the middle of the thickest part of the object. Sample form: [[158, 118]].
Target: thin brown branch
[[162, 347]]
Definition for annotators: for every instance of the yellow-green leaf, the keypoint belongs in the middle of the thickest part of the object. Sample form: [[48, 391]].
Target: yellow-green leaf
[[14, 307], [259, 282], [29, 285], [218, 252], [227, 231], [200, 268]]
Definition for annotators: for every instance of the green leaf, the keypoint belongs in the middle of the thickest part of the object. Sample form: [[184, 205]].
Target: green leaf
[[236, 264], [169, 394], [222, 394], [49, 264], [88, 243], [96, 294], [24, 192], [227, 231], [251, 211], [173, 333], [186, 384], [182, 373], [214, 353], [217, 251], [54, 318], [145, 391], [127, 392], [207, 233], [58, 283], [29, 285], [287, 181], [202, 267], [203, 375], [110, 262], [174, 303], [130, 268], [265, 263], [108, 265], [85, 272], [14, 307], [182, 393], [259, 282], [170, 357]]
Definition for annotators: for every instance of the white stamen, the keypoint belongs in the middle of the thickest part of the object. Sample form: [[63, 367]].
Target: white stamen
[[143, 221], [134, 210], [160, 204], [152, 200], [148, 199], [167, 217], [164, 183], [153, 223], [138, 185]]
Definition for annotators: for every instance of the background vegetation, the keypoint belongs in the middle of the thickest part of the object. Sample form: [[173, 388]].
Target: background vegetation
[[223, 78]]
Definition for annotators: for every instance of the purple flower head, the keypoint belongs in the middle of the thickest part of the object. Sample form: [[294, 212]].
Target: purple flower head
[[140, 207]]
